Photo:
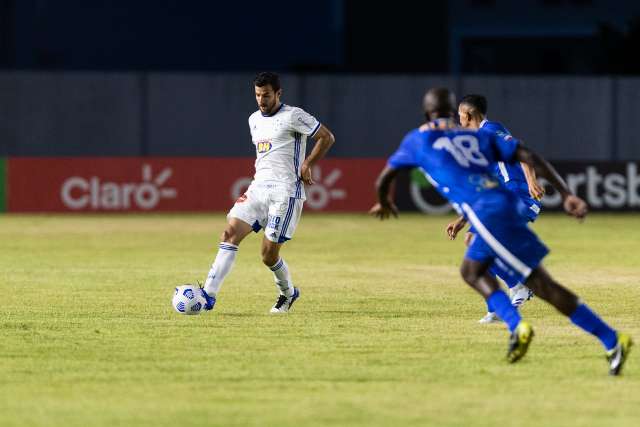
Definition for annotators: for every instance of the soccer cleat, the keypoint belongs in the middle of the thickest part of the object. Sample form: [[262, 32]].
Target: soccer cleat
[[489, 318], [519, 342], [520, 294], [210, 300], [618, 355], [284, 303]]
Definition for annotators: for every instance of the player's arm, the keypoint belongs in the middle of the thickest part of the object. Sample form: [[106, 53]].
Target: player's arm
[[572, 204], [385, 207], [324, 140], [535, 190], [402, 158]]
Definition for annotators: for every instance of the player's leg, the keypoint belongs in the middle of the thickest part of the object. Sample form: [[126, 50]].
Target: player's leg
[[476, 274], [271, 258], [283, 220], [244, 217], [235, 231], [499, 232], [617, 345], [491, 316], [518, 292]]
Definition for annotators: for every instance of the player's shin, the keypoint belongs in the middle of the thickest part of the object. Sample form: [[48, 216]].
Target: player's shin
[[586, 319], [501, 304], [220, 268], [282, 277]]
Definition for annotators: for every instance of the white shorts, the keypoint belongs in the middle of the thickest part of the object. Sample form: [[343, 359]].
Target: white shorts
[[269, 208]]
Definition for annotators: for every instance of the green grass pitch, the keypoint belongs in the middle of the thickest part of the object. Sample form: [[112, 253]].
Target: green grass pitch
[[385, 332]]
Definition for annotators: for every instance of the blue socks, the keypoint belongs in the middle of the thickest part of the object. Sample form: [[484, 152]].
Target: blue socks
[[501, 305], [590, 322], [510, 281], [582, 317]]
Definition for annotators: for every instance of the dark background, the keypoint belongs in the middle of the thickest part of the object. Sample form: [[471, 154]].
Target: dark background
[[173, 78], [586, 37]]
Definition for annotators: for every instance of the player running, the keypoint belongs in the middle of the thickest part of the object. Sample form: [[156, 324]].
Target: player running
[[517, 177], [458, 163], [274, 199]]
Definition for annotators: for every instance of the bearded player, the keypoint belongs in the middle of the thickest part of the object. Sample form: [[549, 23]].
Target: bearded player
[[274, 199]]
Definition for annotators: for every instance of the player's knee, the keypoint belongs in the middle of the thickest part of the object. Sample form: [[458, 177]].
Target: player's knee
[[269, 257], [469, 273], [228, 234]]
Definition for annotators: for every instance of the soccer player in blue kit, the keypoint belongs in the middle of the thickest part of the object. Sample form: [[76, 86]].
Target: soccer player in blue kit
[[517, 177], [458, 163]]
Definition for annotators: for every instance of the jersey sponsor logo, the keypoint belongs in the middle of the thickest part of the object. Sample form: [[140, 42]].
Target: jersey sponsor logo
[[483, 182], [263, 146]]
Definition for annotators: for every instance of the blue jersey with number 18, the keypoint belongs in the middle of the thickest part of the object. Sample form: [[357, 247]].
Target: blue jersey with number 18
[[459, 162]]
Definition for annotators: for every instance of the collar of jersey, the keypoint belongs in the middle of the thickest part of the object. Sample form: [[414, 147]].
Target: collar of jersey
[[274, 113], [443, 123], [483, 122]]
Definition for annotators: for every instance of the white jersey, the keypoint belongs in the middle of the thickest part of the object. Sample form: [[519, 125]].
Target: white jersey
[[281, 140]]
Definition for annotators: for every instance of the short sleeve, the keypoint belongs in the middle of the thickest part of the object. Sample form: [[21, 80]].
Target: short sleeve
[[250, 127], [505, 146], [404, 156], [304, 123]]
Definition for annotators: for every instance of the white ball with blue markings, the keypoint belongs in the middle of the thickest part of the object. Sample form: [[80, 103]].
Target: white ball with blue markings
[[188, 299]]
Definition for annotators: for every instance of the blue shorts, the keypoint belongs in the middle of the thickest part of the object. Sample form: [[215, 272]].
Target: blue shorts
[[522, 190], [531, 208], [502, 237]]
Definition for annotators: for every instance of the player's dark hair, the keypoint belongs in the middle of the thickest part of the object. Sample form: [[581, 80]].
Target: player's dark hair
[[267, 78], [439, 102], [477, 102]]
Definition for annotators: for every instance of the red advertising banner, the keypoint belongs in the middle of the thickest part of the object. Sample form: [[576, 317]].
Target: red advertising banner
[[122, 184]]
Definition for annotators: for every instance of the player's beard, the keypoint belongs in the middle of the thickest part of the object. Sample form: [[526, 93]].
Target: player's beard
[[269, 108]]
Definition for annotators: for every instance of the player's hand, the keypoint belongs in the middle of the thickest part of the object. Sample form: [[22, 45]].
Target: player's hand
[[536, 190], [575, 206], [305, 174], [453, 228], [384, 212], [468, 238]]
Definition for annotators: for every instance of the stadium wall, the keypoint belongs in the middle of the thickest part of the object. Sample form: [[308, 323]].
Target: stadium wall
[[154, 114], [121, 138]]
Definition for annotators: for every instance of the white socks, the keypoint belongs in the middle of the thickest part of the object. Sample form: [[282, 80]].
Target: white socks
[[220, 267], [282, 277], [224, 263]]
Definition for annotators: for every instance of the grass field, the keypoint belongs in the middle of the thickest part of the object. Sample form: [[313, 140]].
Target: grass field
[[385, 333]]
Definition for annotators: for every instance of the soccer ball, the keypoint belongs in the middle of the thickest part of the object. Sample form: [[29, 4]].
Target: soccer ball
[[188, 299]]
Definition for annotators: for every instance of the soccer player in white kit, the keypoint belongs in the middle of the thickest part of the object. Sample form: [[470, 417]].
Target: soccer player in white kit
[[274, 199]]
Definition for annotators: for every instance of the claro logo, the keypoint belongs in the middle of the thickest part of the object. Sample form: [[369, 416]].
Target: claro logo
[[319, 195], [93, 193]]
